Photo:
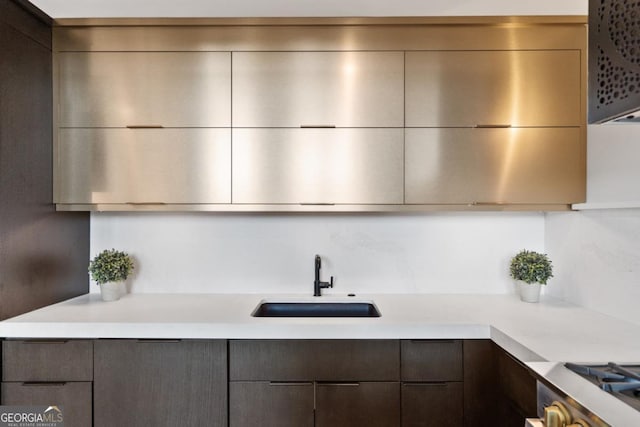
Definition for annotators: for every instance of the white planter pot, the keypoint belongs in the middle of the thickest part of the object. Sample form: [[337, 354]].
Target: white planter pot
[[529, 292], [111, 291]]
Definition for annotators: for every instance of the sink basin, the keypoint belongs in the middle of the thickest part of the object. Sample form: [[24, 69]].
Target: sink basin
[[316, 309]]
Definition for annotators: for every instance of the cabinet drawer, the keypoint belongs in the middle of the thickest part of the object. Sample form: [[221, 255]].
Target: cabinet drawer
[[341, 89], [431, 360], [144, 166], [470, 88], [33, 360], [371, 404], [269, 404], [294, 166], [171, 89], [319, 360], [518, 165], [432, 404], [74, 398]]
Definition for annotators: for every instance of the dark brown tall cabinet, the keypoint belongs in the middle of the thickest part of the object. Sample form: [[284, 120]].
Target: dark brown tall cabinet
[[43, 253]]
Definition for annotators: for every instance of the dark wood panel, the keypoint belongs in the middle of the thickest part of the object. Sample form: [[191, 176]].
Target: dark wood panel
[[74, 399], [28, 19], [271, 404], [319, 360], [160, 383], [517, 386], [47, 360], [367, 404], [431, 360], [43, 254], [432, 405], [480, 383]]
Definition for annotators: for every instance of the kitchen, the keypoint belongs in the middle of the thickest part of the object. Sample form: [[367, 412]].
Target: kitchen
[[409, 263]]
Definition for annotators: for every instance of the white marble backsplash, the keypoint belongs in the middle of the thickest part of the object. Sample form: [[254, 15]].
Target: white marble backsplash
[[262, 253]]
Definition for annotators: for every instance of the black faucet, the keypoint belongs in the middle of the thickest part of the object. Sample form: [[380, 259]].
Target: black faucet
[[317, 284]]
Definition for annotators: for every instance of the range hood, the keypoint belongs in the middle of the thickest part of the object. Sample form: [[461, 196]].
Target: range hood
[[614, 61]]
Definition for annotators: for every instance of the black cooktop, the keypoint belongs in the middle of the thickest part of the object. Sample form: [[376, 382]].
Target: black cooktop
[[622, 381]]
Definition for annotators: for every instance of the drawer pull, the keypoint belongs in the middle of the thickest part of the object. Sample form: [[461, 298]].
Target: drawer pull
[[425, 384], [492, 126], [156, 341], [339, 384], [317, 126], [316, 204], [43, 384], [287, 384], [428, 341], [144, 126], [45, 341], [145, 203]]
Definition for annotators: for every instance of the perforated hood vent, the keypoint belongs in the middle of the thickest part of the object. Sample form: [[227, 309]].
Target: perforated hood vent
[[614, 61]]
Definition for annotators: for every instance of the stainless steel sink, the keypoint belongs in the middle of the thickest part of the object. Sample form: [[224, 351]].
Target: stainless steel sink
[[316, 309]]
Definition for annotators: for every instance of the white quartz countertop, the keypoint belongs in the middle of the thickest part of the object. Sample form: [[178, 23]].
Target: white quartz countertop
[[541, 335]]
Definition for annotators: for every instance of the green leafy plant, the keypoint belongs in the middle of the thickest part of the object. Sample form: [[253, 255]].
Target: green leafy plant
[[110, 266], [531, 267]]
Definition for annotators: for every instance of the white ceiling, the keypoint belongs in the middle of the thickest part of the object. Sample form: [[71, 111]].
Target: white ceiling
[[302, 8]]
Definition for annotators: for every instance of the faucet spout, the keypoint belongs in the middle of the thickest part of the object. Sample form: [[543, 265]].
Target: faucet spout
[[318, 285]]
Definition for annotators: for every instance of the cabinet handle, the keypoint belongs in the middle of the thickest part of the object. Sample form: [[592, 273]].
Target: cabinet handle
[[424, 384], [316, 204], [44, 384], [45, 341], [154, 341], [492, 126], [317, 126], [339, 384], [144, 126], [429, 341], [284, 383], [145, 203], [487, 203]]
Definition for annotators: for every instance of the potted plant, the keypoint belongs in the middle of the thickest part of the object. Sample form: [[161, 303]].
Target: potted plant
[[109, 269], [530, 269]]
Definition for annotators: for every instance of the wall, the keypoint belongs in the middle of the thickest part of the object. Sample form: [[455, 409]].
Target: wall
[[429, 253], [596, 253], [43, 253]]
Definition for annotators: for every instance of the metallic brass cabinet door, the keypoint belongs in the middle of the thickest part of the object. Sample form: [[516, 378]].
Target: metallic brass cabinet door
[[144, 166], [518, 165], [170, 89], [471, 88], [312, 166], [342, 89]]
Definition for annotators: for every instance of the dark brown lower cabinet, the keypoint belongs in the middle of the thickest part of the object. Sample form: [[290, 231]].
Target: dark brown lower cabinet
[[371, 404], [160, 383], [271, 404], [74, 398], [432, 404]]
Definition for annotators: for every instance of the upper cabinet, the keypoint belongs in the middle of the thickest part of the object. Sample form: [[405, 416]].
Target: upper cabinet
[[318, 89], [324, 115], [144, 89], [493, 88]]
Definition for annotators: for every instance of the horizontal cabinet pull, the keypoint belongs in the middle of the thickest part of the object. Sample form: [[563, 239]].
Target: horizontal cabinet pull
[[144, 126], [340, 384], [317, 126], [287, 384], [437, 384], [156, 341], [145, 203], [487, 203], [316, 204], [43, 384], [430, 341], [45, 341], [492, 126]]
